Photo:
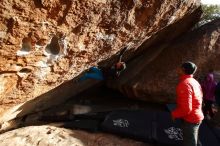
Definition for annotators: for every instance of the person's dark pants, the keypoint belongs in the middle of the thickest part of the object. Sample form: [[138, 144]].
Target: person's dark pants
[[207, 109], [190, 134]]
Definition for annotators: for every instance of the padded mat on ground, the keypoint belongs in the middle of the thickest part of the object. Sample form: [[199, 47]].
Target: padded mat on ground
[[153, 127]]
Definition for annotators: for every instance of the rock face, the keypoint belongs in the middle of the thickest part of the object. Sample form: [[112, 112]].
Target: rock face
[[50, 136], [84, 32], [156, 80]]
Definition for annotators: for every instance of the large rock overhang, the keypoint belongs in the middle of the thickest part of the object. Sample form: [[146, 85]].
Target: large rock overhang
[[139, 24]]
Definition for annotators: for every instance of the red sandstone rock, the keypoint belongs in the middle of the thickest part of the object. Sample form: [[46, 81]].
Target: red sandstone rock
[[95, 31], [156, 79]]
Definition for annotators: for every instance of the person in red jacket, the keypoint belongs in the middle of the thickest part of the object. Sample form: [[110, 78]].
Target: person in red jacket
[[189, 103]]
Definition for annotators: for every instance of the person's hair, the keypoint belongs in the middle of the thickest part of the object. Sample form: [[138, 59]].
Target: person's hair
[[121, 66], [189, 68]]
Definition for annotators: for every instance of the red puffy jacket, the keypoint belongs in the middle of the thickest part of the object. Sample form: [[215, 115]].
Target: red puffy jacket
[[189, 100]]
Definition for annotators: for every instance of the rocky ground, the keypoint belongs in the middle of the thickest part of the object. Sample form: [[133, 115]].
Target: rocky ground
[[52, 136]]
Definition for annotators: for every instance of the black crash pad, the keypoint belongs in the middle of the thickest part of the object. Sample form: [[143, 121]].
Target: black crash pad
[[216, 131], [167, 131], [147, 126], [133, 124], [207, 137], [153, 127], [83, 124], [90, 122]]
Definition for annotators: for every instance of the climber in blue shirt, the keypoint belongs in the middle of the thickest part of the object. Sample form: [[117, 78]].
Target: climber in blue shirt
[[100, 73]]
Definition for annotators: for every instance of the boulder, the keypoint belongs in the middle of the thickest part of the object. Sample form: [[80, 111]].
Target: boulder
[[50, 136], [35, 76], [156, 79]]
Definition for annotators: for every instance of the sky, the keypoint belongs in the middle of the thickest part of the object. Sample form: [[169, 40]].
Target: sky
[[211, 2]]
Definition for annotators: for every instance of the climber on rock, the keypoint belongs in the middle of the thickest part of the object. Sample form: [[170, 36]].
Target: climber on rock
[[101, 73], [120, 65], [117, 68]]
